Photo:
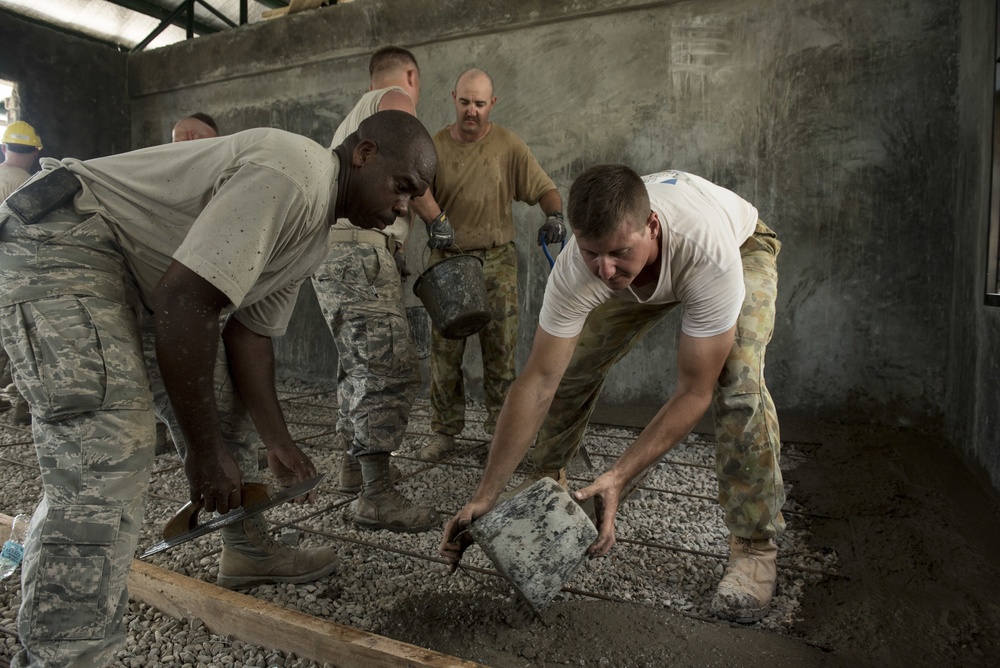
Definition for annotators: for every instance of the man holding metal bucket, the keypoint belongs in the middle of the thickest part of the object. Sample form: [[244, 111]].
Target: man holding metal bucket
[[642, 246], [482, 169]]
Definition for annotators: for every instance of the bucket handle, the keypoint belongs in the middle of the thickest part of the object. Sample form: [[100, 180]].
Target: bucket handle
[[548, 255]]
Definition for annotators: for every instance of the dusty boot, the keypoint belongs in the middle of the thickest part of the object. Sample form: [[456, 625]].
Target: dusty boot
[[252, 556], [748, 584], [350, 473], [381, 506], [437, 447], [559, 475]]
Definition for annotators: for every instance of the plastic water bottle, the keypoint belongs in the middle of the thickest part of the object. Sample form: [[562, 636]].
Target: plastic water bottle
[[13, 549]]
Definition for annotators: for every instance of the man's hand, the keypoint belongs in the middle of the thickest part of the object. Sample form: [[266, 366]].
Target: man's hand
[[456, 535], [215, 481], [606, 491], [553, 231], [400, 257], [439, 232], [291, 466]]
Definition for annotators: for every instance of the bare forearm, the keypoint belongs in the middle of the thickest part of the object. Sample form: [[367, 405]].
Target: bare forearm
[[251, 364], [186, 348], [426, 206], [550, 202]]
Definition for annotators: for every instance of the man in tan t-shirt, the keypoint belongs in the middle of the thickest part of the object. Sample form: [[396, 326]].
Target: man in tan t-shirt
[[183, 232], [482, 169]]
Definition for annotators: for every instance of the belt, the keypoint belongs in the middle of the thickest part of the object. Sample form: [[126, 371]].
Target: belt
[[357, 236]]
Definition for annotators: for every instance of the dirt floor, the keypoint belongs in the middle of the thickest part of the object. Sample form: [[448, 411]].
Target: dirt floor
[[918, 539]]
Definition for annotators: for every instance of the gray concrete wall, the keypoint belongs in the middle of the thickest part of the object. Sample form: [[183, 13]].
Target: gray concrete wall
[[973, 387], [71, 90], [837, 118]]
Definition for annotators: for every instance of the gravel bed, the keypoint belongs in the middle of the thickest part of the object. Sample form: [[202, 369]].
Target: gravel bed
[[671, 552]]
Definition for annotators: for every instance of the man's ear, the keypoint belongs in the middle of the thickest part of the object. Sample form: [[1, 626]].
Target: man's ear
[[653, 223], [363, 152]]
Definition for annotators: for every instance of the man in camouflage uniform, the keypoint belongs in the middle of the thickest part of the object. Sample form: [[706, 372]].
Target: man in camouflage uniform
[[359, 291], [184, 232], [482, 169], [641, 248]]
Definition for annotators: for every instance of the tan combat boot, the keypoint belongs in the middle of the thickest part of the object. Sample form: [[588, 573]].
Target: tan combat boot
[[381, 506], [748, 584], [437, 447], [251, 556]]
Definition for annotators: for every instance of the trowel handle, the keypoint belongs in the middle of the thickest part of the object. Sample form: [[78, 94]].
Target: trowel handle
[[186, 519]]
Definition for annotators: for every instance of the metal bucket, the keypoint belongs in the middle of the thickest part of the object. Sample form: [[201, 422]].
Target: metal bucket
[[536, 539], [454, 293]]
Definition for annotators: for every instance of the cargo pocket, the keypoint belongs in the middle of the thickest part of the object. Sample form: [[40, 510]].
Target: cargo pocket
[[387, 346], [71, 599], [76, 355]]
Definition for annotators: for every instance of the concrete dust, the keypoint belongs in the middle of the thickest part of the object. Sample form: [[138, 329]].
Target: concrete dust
[[917, 534]]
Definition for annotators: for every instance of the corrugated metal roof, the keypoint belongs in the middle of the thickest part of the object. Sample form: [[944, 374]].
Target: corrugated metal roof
[[128, 23]]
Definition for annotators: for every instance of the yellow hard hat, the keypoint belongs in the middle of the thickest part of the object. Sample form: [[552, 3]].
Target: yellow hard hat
[[20, 132]]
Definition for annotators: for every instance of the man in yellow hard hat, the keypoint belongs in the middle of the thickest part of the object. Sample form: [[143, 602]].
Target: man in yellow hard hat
[[20, 150]]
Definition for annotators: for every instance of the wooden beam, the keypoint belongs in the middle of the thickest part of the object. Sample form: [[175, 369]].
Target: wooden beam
[[256, 622], [263, 624]]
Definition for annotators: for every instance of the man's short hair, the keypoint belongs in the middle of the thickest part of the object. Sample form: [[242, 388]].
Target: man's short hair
[[390, 58], [602, 197], [20, 148], [206, 119]]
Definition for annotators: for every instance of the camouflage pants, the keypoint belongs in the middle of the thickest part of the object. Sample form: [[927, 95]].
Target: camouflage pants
[[360, 294], [498, 340], [238, 430], [78, 362], [746, 425]]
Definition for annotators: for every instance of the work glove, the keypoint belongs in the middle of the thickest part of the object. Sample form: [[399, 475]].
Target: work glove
[[439, 232], [552, 232], [400, 257]]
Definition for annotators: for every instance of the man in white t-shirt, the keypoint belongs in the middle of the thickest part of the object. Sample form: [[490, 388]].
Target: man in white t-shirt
[[183, 232], [359, 290], [642, 247]]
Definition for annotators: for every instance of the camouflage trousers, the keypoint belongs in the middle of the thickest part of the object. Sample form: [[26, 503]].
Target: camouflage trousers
[[78, 362], [748, 448], [360, 293], [498, 341]]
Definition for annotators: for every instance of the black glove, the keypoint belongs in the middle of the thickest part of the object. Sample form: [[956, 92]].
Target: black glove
[[440, 233], [400, 257], [552, 232]]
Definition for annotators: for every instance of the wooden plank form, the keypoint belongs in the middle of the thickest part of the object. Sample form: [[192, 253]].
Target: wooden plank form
[[256, 622]]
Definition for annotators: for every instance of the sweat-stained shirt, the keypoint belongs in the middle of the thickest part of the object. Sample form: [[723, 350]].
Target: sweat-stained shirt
[[702, 227], [11, 179], [247, 212], [476, 184]]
